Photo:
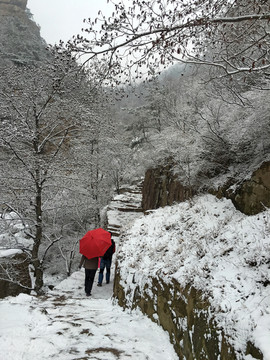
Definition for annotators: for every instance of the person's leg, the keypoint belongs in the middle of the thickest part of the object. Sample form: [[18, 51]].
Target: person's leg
[[87, 282], [101, 270], [108, 270], [92, 273]]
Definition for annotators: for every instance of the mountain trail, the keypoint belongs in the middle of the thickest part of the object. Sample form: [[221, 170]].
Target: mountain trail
[[64, 324]]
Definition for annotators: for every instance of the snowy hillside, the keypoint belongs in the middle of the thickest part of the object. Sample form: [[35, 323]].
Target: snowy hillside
[[207, 243]]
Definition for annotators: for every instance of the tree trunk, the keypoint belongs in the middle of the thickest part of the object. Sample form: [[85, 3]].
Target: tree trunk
[[38, 267]]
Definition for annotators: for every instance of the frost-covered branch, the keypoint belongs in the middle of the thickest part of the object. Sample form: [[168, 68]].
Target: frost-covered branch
[[52, 242], [9, 273], [68, 255], [144, 36]]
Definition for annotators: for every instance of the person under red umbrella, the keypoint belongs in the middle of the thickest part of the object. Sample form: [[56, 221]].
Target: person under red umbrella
[[92, 245], [106, 262], [90, 266]]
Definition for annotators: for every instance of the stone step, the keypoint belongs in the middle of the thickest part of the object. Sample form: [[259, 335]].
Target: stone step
[[115, 226], [130, 201], [129, 209], [137, 192], [124, 208], [127, 205], [114, 233]]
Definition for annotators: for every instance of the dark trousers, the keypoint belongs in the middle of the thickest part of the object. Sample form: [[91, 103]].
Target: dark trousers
[[105, 263], [89, 279]]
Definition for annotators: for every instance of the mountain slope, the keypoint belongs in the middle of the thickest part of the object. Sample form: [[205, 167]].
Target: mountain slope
[[20, 40]]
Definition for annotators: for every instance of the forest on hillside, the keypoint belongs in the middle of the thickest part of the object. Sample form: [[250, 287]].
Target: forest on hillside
[[70, 137]]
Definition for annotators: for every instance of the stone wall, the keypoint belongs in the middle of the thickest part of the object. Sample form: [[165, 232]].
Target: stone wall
[[17, 267], [184, 313]]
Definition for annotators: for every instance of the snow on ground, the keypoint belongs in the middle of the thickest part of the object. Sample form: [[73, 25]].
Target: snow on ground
[[66, 325], [205, 241], [208, 243]]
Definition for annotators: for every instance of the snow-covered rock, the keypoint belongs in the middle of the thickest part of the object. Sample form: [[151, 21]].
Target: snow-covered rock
[[207, 245]]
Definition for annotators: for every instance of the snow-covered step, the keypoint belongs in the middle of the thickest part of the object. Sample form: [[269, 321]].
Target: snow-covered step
[[124, 208]]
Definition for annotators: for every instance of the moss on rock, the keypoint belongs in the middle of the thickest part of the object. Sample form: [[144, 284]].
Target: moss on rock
[[184, 313]]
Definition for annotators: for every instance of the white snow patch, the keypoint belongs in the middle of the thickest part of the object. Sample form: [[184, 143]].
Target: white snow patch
[[221, 251], [66, 325]]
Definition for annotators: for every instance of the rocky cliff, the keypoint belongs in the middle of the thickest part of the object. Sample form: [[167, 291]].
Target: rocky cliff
[[20, 40], [12, 7], [251, 196], [184, 313], [161, 187]]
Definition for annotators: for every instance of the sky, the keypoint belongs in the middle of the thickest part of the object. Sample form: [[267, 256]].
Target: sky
[[61, 19]]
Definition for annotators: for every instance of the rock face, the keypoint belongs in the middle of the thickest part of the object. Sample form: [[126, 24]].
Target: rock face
[[20, 40], [20, 271], [253, 195], [161, 188], [19, 3], [11, 7], [184, 313]]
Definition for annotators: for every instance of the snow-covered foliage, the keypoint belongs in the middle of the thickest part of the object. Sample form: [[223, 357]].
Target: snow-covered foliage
[[213, 131], [208, 244], [55, 162], [13, 233]]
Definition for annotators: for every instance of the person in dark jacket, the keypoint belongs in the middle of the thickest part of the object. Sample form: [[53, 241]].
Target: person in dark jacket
[[106, 262], [90, 266]]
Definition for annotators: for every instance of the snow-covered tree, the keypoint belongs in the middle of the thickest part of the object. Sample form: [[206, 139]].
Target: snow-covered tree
[[40, 113], [142, 35]]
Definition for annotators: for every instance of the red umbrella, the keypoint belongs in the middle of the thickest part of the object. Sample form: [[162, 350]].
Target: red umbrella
[[95, 243]]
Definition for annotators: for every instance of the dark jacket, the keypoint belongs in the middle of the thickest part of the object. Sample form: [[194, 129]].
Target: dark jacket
[[109, 253], [89, 263]]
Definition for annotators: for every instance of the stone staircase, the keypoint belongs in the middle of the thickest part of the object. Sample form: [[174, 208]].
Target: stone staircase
[[124, 208]]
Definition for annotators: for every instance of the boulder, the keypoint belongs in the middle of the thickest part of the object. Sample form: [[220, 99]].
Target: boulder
[[17, 266], [252, 195]]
